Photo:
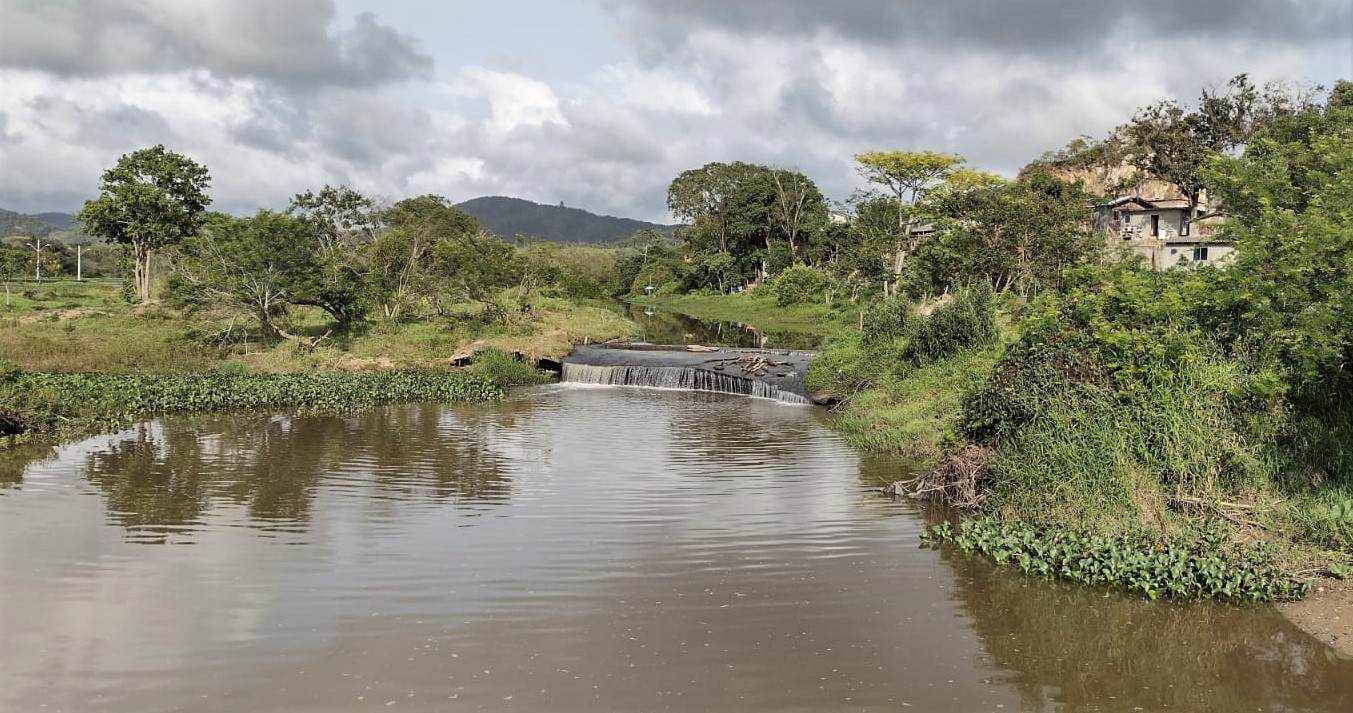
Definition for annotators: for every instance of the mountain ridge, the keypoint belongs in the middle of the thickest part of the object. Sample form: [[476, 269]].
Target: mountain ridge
[[508, 217]]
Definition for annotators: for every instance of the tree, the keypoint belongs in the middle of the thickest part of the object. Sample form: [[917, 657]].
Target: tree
[[475, 266], [1174, 144], [907, 175], [251, 265], [799, 209], [341, 221], [14, 264], [399, 265], [339, 215], [149, 200], [1019, 235], [1286, 298]]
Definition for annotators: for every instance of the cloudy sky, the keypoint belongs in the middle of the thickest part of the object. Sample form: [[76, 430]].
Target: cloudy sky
[[600, 103]]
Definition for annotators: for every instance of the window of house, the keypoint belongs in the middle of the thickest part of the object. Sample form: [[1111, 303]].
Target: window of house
[[1184, 227], [1155, 226], [1200, 253]]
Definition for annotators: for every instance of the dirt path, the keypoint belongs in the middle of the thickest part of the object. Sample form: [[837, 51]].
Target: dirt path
[[1327, 614]]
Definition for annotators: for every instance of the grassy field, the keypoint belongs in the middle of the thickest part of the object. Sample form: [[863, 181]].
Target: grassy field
[[89, 327]]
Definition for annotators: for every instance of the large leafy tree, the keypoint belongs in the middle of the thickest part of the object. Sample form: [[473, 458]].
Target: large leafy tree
[[1286, 300], [1174, 143], [907, 176], [746, 220], [150, 199], [341, 221], [400, 273], [1017, 236]]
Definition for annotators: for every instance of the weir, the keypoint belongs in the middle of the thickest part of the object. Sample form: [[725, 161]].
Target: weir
[[761, 373]]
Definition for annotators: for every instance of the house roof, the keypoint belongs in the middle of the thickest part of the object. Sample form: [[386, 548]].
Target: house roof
[[1139, 204]]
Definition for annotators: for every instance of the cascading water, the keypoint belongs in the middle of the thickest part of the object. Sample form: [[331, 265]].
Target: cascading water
[[758, 373]]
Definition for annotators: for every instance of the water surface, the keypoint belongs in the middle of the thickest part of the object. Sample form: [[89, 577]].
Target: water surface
[[570, 549]]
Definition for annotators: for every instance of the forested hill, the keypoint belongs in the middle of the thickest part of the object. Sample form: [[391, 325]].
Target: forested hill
[[509, 217], [32, 226]]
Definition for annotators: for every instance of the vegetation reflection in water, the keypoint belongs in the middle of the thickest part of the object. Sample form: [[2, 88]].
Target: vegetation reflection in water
[[663, 326], [723, 508], [1070, 649], [164, 479]]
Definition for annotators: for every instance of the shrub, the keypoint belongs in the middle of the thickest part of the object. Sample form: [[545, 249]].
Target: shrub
[[504, 369], [966, 321], [797, 285], [888, 320]]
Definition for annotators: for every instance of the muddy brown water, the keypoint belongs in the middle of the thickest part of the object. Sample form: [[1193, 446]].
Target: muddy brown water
[[570, 549]]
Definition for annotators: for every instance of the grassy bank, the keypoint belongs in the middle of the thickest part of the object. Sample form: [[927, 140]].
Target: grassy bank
[[759, 309], [1054, 431], [89, 327], [76, 357]]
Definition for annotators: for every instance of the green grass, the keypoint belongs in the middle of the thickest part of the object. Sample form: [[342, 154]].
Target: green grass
[[759, 309], [916, 416], [89, 327]]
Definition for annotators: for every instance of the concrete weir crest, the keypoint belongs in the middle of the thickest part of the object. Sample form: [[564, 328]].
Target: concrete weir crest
[[762, 373]]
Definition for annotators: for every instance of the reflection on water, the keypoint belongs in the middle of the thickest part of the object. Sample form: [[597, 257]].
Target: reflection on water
[[163, 479], [657, 326], [571, 549], [1067, 648]]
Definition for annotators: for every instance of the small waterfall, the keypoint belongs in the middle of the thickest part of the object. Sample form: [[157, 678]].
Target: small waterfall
[[676, 377]]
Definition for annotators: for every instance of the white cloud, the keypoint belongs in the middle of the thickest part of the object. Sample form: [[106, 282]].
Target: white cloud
[[805, 86]]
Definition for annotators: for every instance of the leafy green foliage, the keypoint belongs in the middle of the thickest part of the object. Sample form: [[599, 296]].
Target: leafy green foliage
[[256, 266], [504, 369], [966, 321], [1020, 236], [69, 404], [798, 284], [1200, 567], [150, 199]]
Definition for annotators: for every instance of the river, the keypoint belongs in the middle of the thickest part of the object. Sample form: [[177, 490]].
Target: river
[[568, 549]]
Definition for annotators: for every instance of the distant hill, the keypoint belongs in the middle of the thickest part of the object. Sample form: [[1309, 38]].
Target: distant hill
[[64, 221], [57, 226], [32, 226], [509, 217]]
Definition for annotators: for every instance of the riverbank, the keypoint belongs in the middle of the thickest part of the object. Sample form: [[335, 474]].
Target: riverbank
[[897, 399], [75, 358], [1327, 614]]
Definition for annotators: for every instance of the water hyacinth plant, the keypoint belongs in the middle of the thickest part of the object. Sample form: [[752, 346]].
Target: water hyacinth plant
[[1203, 567], [68, 404]]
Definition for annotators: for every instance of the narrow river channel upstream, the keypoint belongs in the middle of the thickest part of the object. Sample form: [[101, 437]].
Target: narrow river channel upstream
[[570, 549]]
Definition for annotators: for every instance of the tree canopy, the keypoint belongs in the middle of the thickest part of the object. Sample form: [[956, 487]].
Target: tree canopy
[[150, 199]]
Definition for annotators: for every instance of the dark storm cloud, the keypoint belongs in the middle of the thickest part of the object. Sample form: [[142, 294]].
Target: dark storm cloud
[[294, 42], [1032, 27]]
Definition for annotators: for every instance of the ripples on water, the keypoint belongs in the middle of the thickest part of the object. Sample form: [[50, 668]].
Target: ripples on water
[[572, 549]]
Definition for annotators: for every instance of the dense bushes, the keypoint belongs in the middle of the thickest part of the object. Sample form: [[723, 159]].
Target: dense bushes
[[504, 369], [896, 339]]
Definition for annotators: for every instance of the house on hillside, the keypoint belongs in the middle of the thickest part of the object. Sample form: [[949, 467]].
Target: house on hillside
[[1163, 231]]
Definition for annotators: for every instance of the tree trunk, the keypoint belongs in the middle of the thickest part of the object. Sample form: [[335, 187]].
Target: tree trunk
[[141, 271]]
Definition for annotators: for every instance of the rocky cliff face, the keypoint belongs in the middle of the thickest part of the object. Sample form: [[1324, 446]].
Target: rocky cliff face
[[1114, 181]]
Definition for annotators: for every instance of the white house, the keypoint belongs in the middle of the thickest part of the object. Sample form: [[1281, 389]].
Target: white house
[[1163, 231]]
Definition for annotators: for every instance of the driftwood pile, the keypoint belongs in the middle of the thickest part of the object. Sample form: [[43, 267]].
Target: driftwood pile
[[750, 364], [962, 480], [10, 422]]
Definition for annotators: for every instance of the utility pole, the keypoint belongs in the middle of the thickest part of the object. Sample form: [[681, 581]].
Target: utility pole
[[37, 251], [79, 263]]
